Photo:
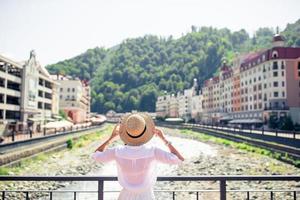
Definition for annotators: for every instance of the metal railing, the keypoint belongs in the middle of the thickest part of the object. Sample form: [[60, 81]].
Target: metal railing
[[27, 134], [223, 180], [272, 132]]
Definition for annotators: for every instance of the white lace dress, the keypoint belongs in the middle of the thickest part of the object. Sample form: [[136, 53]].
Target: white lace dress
[[136, 168]]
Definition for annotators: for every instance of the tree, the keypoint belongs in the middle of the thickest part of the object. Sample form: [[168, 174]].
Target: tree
[[127, 75], [287, 123]]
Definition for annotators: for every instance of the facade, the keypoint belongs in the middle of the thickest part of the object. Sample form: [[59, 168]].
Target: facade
[[74, 98], [162, 106], [180, 105], [257, 86], [173, 107], [28, 95]]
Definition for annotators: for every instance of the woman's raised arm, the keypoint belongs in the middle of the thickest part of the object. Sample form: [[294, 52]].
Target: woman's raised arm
[[172, 149], [114, 134]]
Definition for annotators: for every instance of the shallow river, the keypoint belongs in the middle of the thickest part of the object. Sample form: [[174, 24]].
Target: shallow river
[[188, 148]]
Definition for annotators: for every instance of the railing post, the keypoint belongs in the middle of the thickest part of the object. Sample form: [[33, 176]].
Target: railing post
[[173, 195], [222, 189], [3, 195], [294, 134], [262, 131], [13, 136], [50, 195], [272, 195], [276, 132], [27, 195], [44, 131], [295, 195], [248, 195], [100, 190]]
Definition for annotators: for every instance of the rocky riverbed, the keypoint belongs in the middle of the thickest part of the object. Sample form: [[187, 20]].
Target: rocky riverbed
[[202, 159]]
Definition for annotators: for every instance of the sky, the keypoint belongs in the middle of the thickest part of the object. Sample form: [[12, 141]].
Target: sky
[[61, 29]]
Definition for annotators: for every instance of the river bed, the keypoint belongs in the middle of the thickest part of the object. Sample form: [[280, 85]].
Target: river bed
[[201, 158]]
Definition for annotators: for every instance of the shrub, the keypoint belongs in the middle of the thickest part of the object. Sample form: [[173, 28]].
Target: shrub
[[70, 143]]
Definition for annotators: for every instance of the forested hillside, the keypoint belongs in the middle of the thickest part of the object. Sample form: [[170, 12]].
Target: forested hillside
[[132, 74]]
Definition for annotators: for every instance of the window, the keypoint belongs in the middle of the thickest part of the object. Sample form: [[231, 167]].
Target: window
[[275, 84], [275, 74], [275, 94], [282, 73], [73, 89], [283, 94], [40, 105], [298, 65], [40, 93], [61, 89], [282, 83], [275, 65], [68, 89], [282, 65], [60, 96], [274, 54]]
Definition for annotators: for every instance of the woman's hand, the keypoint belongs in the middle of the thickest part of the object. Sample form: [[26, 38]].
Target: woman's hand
[[113, 136], [159, 133], [115, 132]]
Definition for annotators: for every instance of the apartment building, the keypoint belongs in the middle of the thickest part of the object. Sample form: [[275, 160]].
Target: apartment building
[[180, 105], [163, 105], [255, 87], [74, 98], [28, 95]]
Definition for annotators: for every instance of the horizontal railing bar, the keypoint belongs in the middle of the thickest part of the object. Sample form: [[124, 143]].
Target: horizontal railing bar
[[92, 191], [162, 178]]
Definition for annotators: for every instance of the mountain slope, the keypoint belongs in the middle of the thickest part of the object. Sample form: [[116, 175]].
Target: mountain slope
[[132, 74]]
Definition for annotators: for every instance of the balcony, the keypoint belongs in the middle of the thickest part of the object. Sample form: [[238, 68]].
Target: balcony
[[277, 108], [100, 193]]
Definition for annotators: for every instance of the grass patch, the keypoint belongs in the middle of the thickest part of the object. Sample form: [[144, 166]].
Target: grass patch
[[4, 171], [85, 140], [71, 144], [243, 146]]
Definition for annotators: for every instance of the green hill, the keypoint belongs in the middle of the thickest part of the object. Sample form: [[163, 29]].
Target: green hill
[[132, 74]]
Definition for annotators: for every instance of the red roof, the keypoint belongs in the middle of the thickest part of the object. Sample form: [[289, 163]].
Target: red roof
[[283, 53]]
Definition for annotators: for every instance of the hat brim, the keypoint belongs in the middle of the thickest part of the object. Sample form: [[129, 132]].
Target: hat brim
[[142, 139]]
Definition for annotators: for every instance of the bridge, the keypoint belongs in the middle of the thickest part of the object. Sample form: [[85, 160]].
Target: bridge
[[222, 180]]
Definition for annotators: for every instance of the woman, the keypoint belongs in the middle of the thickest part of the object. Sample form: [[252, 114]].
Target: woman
[[135, 161]]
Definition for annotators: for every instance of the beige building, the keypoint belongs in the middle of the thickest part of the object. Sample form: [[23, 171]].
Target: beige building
[[180, 105], [162, 105], [28, 95], [74, 98]]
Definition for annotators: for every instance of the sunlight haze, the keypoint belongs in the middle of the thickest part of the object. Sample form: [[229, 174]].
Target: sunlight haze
[[61, 29]]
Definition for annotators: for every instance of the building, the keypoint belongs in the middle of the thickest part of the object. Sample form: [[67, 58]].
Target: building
[[258, 85], [173, 107], [74, 98], [162, 106], [185, 102], [28, 95], [180, 105]]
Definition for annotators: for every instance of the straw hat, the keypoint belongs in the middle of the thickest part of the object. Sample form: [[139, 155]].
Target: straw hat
[[136, 129]]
